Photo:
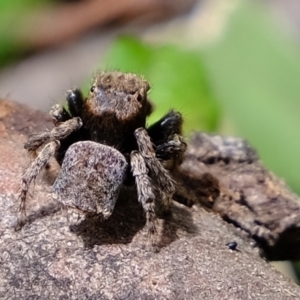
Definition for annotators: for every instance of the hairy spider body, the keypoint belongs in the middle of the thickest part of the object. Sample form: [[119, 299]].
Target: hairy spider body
[[102, 142]]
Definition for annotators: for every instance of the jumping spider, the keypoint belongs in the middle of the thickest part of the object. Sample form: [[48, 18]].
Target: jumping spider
[[102, 142]]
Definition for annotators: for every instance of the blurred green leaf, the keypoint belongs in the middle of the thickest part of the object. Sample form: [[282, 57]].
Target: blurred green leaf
[[13, 16], [255, 72], [177, 77]]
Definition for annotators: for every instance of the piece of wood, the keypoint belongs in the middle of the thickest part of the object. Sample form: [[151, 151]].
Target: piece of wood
[[56, 256], [225, 175]]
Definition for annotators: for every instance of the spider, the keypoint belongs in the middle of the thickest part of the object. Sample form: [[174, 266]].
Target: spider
[[102, 143]]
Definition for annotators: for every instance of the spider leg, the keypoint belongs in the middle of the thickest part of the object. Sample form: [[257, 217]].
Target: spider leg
[[57, 133], [146, 195], [31, 173], [159, 174], [59, 113], [52, 144], [75, 102], [166, 135], [171, 153], [162, 130]]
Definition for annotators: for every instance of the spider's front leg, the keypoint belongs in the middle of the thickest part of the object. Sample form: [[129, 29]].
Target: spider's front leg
[[59, 114], [75, 101], [61, 118], [58, 133], [158, 173], [171, 153], [166, 136]]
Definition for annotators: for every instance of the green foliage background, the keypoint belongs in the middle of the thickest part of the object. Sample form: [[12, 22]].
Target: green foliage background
[[13, 15], [255, 72]]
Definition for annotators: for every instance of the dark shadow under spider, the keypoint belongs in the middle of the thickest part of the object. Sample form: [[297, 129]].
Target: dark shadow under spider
[[126, 220]]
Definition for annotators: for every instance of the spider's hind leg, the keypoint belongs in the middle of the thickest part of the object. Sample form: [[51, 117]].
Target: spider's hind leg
[[51, 139], [145, 190], [30, 175], [157, 171]]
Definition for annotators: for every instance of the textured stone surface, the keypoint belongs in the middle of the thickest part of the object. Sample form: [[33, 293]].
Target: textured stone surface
[[56, 256]]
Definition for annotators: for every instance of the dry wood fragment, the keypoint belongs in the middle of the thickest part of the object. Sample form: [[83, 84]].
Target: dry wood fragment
[[228, 178]]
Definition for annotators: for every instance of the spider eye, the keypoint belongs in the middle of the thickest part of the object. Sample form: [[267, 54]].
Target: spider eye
[[92, 89], [139, 97]]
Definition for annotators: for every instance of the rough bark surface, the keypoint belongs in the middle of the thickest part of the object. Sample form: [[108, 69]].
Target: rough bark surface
[[57, 257], [225, 175]]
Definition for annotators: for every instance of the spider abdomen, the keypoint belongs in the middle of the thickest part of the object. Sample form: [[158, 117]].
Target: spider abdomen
[[90, 178]]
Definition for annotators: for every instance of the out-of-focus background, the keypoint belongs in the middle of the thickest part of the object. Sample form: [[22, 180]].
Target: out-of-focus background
[[231, 66]]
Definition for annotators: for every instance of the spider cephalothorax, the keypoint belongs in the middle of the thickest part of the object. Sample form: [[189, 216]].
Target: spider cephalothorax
[[101, 142]]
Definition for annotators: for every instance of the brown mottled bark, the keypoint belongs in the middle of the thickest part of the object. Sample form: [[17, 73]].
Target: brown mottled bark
[[226, 176], [56, 257]]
